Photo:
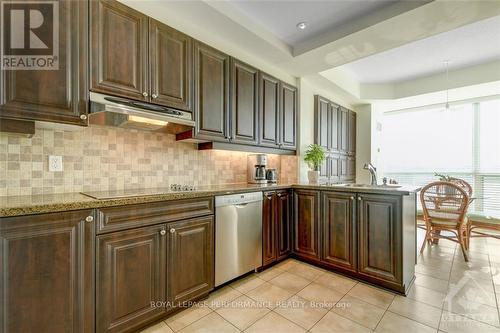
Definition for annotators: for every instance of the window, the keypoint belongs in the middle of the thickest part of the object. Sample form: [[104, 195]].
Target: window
[[463, 142]]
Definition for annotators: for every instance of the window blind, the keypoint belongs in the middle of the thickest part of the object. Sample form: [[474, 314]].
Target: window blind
[[462, 142]]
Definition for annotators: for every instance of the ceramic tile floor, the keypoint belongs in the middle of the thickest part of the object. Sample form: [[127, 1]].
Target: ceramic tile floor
[[449, 295]]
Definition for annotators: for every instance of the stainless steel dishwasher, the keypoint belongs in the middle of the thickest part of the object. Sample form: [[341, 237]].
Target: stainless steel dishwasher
[[238, 235]]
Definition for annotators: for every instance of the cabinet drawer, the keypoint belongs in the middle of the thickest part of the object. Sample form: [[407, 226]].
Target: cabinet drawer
[[133, 216]]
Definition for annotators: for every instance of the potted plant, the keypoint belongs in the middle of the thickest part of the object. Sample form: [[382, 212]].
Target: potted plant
[[314, 157]]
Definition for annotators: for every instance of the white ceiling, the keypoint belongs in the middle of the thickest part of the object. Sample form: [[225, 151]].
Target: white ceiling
[[280, 17], [468, 45]]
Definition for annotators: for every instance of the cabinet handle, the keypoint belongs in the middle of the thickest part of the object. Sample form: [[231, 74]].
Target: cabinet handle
[[154, 95], [359, 198], [172, 230], [145, 94], [279, 194], [83, 117], [352, 198], [89, 218], [163, 232]]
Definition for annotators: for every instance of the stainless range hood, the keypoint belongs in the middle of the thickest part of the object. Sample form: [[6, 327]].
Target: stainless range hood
[[126, 113]]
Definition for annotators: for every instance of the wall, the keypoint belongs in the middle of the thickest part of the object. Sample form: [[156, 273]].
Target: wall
[[363, 142], [101, 158]]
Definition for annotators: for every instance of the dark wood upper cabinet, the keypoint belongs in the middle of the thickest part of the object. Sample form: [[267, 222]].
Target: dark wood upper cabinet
[[339, 230], [343, 135], [119, 50], [53, 95], [322, 120], [333, 125], [351, 129], [380, 240], [334, 168], [211, 77], [351, 168], [244, 103], [47, 275], [130, 274], [269, 110], [269, 236], [288, 116], [171, 66], [335, 131], [306, 223], [283, 224], [190, 259]]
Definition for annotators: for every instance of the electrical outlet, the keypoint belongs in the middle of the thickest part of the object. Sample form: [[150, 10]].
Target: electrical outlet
[[55, 163]]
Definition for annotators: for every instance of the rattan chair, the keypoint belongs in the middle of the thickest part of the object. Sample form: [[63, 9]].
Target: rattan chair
[[444, 207], [464, 185]]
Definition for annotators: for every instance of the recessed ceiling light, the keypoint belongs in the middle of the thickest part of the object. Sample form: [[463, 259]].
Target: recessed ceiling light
[[301, 25]]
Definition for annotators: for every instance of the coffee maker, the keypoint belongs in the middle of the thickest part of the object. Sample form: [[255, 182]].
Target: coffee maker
[[256, 168]]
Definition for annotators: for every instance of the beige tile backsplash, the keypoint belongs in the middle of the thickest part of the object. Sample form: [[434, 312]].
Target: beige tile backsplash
[[101, 158]]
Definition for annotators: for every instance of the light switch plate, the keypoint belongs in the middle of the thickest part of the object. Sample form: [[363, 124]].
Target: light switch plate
[[55, 163]]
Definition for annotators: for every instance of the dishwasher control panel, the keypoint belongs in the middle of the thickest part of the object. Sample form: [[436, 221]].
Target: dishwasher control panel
[[237, 199]]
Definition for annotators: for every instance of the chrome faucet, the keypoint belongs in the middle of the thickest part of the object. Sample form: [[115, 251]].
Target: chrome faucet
[[373, 173]]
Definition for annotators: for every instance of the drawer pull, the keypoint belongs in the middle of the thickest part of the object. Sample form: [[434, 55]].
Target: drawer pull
[[163, 232], [89, 218], [172, 230]]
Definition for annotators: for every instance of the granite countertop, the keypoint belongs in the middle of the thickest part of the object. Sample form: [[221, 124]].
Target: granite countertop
[[37, 204]]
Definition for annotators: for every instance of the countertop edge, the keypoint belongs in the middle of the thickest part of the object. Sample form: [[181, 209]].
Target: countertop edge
[[85, 202]]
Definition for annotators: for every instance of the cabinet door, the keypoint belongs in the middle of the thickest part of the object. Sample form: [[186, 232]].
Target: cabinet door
[[211, 109], [269, 110], [269, 237], [119, 50], [342, 129], [351, 129], [324, 170], [322, 117], [283, 221], [351, 168], [380, 237], [334, 168], [190, 259], [333, 127], [306, 223], [245, 106], [288, 117], [53, 95], [343, 171], [339, 230], [171, 66], [130, 275], [46, 280]]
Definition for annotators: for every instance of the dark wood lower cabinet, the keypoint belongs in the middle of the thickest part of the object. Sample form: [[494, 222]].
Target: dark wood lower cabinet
[[46, 275], [338, 220], [276, 231], [306, 224], [380, 237], [368, 236], [269, 228], [131, 274], [284, 219], [190, 268]]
